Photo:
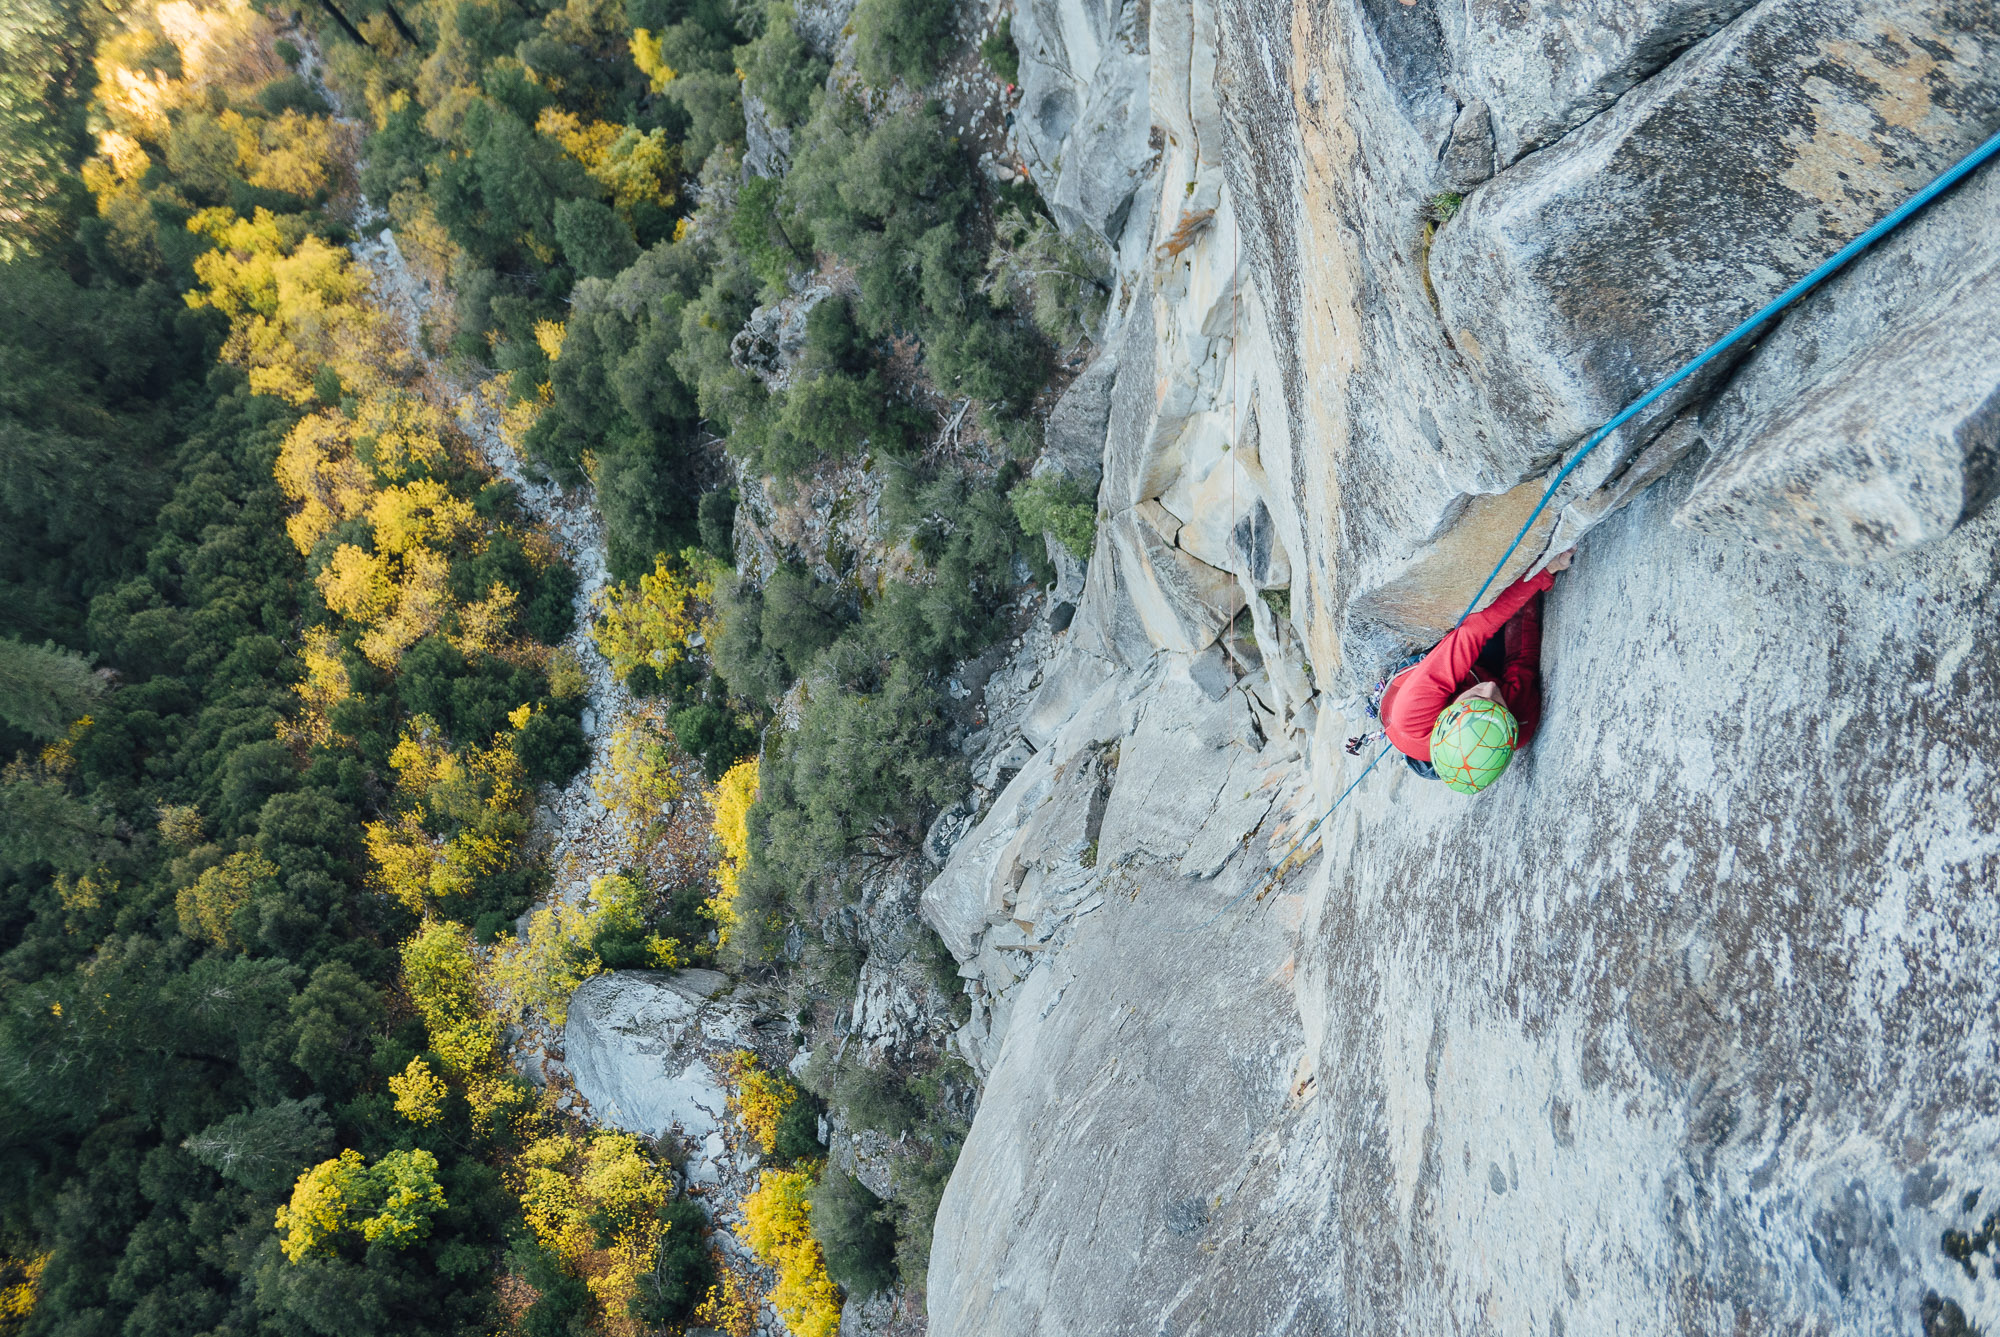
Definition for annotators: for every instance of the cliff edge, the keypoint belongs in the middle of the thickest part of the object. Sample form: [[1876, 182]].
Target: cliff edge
[[1687, 1025]]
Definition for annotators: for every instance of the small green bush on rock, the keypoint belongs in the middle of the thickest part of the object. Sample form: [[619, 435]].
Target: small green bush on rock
[[901, 39], [1057, 504], [855, 1232]]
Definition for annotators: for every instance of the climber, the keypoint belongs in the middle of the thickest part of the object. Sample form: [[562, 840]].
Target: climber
[[1461, 712]]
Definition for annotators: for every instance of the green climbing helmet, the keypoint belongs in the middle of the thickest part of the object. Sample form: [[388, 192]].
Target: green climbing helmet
[[1472, 742]]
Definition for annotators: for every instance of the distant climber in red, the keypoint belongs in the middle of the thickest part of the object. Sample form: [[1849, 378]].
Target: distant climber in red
[[1462, 711]]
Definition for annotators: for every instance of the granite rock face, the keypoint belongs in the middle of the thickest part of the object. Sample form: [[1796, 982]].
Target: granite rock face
[[1574, 282], [1686, 1026], [1543, 70], [636, 1043], [1869, 421], [1073, 438], [1083, 62]]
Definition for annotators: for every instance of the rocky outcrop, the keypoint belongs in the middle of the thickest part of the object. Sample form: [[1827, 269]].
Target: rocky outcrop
[[1083, 63], [637, 1045], [1544, 70], [1574, 282], [1681, 1028]]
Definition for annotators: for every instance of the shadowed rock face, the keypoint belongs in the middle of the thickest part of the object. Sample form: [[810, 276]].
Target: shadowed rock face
[[1688, 1024], [1545, 69]]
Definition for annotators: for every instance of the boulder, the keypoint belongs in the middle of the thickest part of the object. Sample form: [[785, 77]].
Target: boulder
[[767, 146], [1078, 682], [1468, 157], [1158, 596], [770, 342], [1047, 818], [1073, 440], [984, 865], [1221, 518], [634, 1043]]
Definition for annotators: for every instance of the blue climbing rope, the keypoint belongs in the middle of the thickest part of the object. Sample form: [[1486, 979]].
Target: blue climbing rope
[[1792, 294]]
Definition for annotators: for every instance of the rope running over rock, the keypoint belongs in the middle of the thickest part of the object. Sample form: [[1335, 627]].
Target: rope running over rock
[[1902, 214]]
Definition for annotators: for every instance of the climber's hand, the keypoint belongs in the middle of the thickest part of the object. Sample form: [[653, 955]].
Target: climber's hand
[[1561, 561]]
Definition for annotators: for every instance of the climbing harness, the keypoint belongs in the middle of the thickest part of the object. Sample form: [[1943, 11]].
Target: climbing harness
[[1377, 695], [1827, 268]]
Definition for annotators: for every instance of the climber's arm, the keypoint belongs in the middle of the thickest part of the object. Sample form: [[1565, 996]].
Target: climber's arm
[[1457, 652], [1429, 687]]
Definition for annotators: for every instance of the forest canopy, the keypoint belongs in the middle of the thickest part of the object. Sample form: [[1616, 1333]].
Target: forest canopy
[[282, 653]]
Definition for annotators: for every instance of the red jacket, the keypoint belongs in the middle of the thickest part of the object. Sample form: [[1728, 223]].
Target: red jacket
[[1414, 700]]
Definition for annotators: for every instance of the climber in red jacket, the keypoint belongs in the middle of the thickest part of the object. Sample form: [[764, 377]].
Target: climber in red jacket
[[1464, 709]]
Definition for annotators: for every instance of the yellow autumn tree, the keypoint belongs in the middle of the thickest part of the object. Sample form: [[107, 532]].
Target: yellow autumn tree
[[733, 1302], [301, 154], [324, 686], [460, 817], [650, 623], [207, 909], [575, 1192], [322, 1204], [317, 470], [329, 480], [19, 1280], [441, 974], [776, 1227], [225, 45], [82, 898], [648, 55], [421, 513], [422, 602], [542, 967], [410, 1197], [420, 1093], [639, 784], [730, 802], [391, 1201], [357, 584], [407, 435], [637, 168], [294, 302], [114, 179], [548, 1194], [635, 165], [758, 1098], [485, 624]]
